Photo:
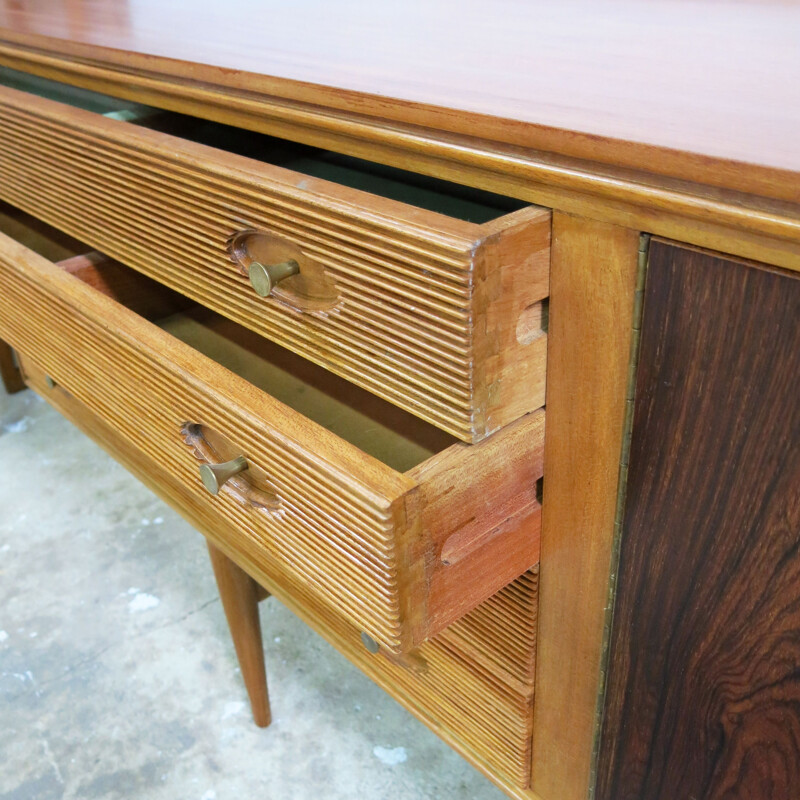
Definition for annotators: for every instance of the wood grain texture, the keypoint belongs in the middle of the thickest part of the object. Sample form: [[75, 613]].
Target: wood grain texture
[[592, 282], [603, 84], [704, 688], [477, 689], [9, 371], [685, 203], [239, 594], [347, 525], [410, 292], [480, 504]]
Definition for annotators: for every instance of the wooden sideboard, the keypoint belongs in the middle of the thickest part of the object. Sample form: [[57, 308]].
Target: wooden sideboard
[[488, 367]]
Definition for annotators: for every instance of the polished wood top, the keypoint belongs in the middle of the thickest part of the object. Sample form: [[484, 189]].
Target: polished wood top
[[714, 79]]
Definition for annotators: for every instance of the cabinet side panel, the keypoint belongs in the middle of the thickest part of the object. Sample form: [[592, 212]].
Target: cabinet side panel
[[704, 679]]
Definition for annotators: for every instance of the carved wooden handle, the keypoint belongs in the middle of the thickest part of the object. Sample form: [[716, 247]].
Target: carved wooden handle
[[223, 471], [282, 270]]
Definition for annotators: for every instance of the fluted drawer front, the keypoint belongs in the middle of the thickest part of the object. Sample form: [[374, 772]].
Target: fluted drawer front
[[399, 555], [439, 316], [477, 689]]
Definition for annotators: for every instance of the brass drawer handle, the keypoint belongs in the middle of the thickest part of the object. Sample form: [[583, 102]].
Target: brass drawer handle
[[214, 476], [241, 480], [264, 277], [283, 271]]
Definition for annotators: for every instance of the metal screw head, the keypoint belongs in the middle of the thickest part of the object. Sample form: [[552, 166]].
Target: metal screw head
[[368, 642]]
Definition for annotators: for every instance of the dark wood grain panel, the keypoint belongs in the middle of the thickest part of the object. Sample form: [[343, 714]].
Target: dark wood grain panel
[[704, 683]]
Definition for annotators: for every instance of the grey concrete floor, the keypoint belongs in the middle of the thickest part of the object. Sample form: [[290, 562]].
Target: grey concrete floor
[[117, 674]]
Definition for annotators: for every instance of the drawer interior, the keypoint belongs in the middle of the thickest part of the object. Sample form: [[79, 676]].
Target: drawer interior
[[395, 437], [38, 236], [387, 433], [451, 199]]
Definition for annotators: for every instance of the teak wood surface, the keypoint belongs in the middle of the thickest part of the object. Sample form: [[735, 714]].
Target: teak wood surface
[[592, 284], [9, 371], [240, 596], [478, 690], [704, 685], [598, 83], [475, 685]]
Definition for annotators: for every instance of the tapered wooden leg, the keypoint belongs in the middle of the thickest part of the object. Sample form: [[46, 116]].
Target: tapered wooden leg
[[240, 595], [9, 371]]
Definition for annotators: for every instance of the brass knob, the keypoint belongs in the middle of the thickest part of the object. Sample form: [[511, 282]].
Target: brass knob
[[214, 476], [264, 277]]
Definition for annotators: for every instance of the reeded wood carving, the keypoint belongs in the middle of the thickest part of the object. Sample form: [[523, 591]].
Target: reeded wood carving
[[428, 306]]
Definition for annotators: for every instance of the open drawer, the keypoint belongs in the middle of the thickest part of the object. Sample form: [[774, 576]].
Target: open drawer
[[383, 517], [427, 294]]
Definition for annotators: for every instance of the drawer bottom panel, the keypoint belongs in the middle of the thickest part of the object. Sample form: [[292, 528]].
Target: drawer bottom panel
[[473, 685]]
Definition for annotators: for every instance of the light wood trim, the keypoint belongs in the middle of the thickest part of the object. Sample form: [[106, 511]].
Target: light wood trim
[[239, 594], [592, 284], [744, 224]]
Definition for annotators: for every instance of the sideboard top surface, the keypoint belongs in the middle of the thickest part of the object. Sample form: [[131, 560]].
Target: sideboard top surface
[[714, 82]]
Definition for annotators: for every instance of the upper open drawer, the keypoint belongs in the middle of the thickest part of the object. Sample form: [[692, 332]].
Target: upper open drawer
[[383, 517], [439, 313]]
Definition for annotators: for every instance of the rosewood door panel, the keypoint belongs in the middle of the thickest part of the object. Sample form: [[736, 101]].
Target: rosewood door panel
[[703, 696]]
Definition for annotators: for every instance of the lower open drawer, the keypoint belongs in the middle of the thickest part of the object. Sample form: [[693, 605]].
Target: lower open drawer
[[381, 517]]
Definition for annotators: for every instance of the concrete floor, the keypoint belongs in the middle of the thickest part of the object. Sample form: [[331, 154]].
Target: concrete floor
[[117, 675]]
